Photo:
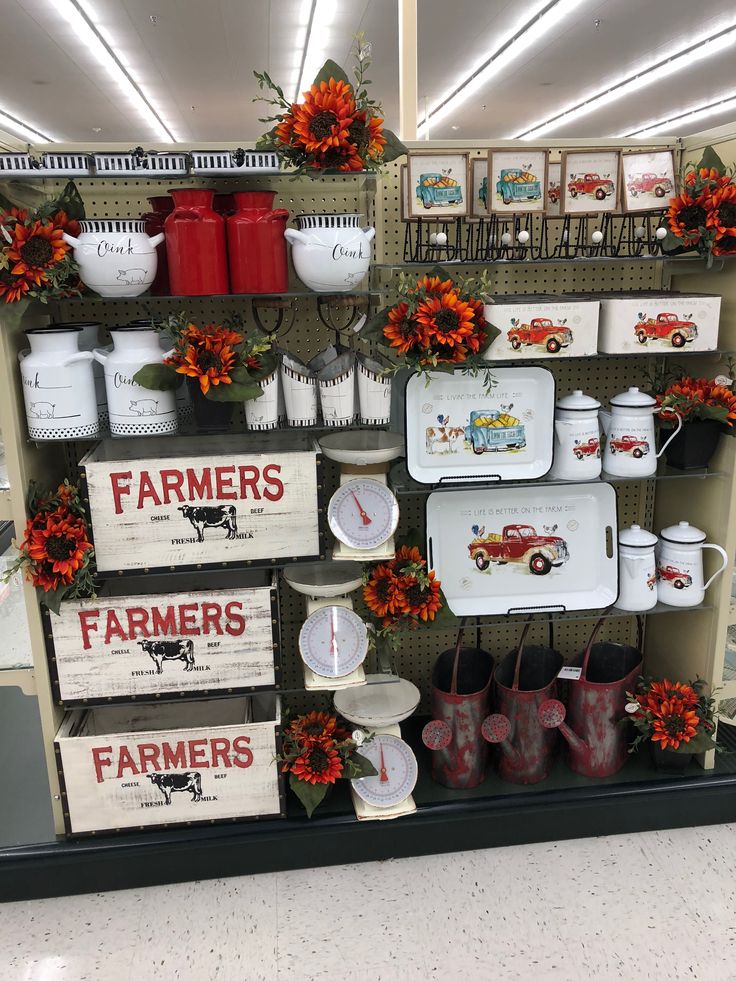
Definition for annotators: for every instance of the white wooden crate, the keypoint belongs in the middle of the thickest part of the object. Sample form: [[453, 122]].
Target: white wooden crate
[[166, 637], [138, 767], [166, 504]]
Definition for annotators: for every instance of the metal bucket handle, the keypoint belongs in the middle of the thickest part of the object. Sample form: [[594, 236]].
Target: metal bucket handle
[[597, 627]]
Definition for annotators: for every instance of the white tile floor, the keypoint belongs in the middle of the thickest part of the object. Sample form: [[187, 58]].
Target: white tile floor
[[658, 906]]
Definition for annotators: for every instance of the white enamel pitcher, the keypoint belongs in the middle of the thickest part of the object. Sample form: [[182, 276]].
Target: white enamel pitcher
[[577, 438], [331, 253], [629, 428], [637, 570], [680, 565]]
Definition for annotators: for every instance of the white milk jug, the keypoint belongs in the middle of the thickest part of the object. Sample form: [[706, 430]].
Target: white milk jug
[[331, 253], [58, 385], [629, 426], [134, 410], [577, 438], [116, 256], [637, 570], [680, 565]]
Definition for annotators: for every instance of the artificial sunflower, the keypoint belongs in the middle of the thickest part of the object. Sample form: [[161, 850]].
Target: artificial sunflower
[[686, 216], [58, 541], [366, 134], [674, 725], [323, 120], [381, 592], [433, 286], [12, 288], [313, 726], [724, 245], [666, 690], [446, 319], [211, 364], [706, 175], [35, 249], [319, 764], [421, 600], [344, 158], [722, 212], [408, 554], [402, 331]]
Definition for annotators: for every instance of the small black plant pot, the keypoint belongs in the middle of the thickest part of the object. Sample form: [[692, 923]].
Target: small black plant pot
[[695, 444], [209, 416], [669, 761]]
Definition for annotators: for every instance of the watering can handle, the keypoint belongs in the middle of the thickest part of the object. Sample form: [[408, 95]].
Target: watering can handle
[[517, 666], [596, 628], [456, 659]]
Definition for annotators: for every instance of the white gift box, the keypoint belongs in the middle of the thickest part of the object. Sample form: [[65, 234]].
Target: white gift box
[[637, 322], [542, 326]]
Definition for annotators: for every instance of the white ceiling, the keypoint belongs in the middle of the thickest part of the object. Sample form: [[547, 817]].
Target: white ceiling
[[195, 64]]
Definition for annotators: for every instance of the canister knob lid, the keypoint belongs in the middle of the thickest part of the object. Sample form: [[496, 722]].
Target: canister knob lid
[[636, 537], [683, 533]]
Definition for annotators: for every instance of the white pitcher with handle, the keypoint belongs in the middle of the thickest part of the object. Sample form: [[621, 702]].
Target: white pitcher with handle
[[331, 253], [577, 453], [637, 570], [629, 428], [680, 565]]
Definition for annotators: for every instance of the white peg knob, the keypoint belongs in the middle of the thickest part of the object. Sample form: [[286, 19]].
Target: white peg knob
[[506, 238], [640, 231], [441, 238], [565, 237], [661, 233], [433, 238], [523, 237], [597, 236]]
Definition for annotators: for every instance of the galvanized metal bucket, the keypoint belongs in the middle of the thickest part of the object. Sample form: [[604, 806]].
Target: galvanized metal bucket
[[597, 741], [461, 684], [524, 683]]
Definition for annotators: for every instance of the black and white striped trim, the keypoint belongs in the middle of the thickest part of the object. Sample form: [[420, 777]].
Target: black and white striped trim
[[329, 221], [111, 225]]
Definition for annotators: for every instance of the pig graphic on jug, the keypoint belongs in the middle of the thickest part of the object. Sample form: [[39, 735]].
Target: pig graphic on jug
[[144, 407], [42, 410]]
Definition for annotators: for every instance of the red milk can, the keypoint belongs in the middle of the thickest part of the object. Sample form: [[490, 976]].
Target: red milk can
[[195, 245], [524, 683], [161, 206], [596, 705], [461, 683], [256, 244]]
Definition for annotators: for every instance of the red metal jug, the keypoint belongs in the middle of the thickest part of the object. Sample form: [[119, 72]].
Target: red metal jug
[[195, 245], [161, 206], [256, 244]]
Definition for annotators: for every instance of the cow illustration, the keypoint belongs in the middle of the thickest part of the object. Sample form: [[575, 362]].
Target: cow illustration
[[221, 516], [41, 410], [177, 783], [169, 650], [144, 407], [131, 277]]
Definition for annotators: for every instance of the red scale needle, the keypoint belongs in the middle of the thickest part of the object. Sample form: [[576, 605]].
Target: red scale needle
[[382, 769], [363, 514]]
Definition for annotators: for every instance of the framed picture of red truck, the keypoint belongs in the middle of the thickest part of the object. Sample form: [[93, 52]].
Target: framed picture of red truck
[[647, 180], [517, 180], [590, 181]]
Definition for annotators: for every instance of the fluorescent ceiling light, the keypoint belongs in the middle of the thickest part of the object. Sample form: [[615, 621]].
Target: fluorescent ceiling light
[[82, 20], [529, 31], [695, 115], [677, 60], [23, 129], [318, 15]]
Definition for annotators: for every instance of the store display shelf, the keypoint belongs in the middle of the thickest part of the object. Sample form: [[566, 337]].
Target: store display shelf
[[294, 294], [19, 676], [494, 814], [402, 484], [694, 261]]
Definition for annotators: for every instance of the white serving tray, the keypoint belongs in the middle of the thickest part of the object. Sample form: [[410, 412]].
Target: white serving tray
[[573, 552], [445, 443]]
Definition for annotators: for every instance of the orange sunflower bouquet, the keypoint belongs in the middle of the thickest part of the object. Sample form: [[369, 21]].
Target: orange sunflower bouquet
[[225, 362], [703, 216], [35, 261], [336, 126], [672, 716], [700, 399], [56, 552], [317, 751]]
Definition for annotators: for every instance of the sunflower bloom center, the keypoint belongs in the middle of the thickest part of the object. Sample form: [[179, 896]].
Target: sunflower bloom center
[[208, 359], [415, 594], [446, 321], [319, 761], [727, 214], [59, 547], [692, 217], [313, 728], [36, 251], [321, 124]]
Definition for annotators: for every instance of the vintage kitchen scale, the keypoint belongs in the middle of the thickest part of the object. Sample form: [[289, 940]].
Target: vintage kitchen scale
[[363, 512], [378, 708], [333, 641]]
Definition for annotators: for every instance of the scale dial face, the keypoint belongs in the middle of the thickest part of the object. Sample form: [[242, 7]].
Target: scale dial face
[[333, 641], [363, 513], [396, 775]]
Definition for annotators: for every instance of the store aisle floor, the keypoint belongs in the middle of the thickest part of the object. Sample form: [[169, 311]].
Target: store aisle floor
[[660, 905]]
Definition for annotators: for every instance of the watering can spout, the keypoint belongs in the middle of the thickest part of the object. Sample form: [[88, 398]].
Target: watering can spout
[[496, 729], [552, 716]]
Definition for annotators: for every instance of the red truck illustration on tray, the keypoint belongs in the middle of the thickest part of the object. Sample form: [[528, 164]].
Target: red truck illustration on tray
[[680, 580], [518, 543], [656, 184], [599, 187], [665, 327], [591, 447], [541, 331], [629, 444]]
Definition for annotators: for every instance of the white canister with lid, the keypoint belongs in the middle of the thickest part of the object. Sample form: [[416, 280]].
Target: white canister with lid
[[577, 454], [637, 570], [629, 426], [680, 565]]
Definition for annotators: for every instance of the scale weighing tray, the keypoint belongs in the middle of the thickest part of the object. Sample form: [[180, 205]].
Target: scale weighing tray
[[524, 549]]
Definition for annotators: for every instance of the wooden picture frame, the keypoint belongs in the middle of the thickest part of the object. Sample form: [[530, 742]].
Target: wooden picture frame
[[429, 170], [647, 180], [591, 196], [404, 194], [478, 174], [553, 191], [526, 194]]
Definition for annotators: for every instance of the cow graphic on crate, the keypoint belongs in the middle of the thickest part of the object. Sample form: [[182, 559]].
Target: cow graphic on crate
[[177, 783], [217, 516], [169, 650]]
